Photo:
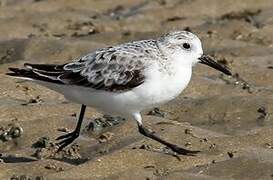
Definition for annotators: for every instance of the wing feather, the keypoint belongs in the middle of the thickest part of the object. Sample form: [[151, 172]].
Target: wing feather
[[117, 68]]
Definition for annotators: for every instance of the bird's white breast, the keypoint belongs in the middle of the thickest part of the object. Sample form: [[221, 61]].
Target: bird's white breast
[[163, 85]]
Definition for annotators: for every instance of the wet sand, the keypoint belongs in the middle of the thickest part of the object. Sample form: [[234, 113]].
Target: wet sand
[[227, 118]]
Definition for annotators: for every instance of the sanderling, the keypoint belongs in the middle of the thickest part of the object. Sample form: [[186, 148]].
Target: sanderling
[[125, 79]]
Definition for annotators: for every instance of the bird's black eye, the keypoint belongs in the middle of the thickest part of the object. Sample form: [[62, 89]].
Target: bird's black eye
[[186, 46]]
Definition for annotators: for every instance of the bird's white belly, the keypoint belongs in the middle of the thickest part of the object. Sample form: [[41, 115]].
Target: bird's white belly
[[107, 102]]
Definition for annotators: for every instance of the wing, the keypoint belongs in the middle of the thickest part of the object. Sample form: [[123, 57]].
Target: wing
[[110, 69]]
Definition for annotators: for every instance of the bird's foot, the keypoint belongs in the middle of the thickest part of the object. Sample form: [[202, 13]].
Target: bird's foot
[[182, 151], [66, 139]]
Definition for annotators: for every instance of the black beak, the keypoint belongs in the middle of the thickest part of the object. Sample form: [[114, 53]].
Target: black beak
[[204, 59]]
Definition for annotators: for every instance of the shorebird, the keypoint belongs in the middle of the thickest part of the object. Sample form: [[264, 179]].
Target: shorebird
[[125, 79]]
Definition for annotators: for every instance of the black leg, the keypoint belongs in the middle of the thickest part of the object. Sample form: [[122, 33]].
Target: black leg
[[70, 137], [173, 147]]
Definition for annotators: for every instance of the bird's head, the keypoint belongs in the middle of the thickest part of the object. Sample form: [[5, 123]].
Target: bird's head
[[186, 48]]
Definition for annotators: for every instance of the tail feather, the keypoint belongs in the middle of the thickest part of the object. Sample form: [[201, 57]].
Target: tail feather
[[37, 72], [49, 73], [19, 72]]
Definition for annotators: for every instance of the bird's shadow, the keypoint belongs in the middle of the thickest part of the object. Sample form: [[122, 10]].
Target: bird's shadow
[[72, 161], [16, 159]]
